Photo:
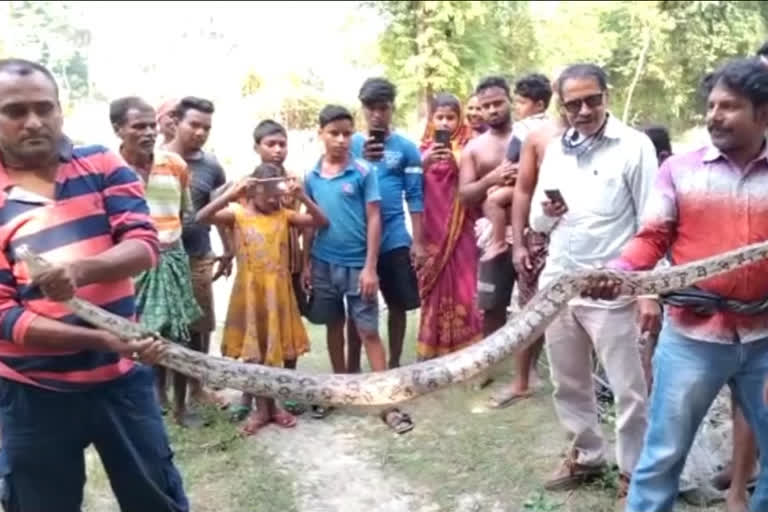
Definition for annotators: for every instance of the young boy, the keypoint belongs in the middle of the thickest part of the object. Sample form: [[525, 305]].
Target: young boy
[[343, 258], [531, 99]]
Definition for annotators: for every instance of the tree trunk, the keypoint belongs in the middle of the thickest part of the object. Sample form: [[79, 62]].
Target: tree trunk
[[638, 73]]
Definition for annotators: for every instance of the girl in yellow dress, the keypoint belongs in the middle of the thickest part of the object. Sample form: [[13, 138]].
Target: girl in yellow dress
[[263, 321]]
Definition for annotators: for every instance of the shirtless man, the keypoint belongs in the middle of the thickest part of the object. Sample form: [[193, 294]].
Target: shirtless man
[[482, 166]]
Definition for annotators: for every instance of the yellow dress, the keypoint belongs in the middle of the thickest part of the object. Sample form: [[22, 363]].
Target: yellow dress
[[263, 320]]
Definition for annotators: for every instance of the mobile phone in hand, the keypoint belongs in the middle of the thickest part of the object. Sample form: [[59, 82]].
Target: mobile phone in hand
[[378, 135], [555, 196], [442, 137]]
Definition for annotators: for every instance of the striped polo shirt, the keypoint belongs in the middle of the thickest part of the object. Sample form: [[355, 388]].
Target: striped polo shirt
[[167, 194], [99, 202]]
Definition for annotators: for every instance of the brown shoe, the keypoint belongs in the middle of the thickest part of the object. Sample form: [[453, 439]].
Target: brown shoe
[[622, 489], [571, 474]]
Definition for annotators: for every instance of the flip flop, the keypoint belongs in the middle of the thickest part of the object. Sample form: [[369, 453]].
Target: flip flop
[[294, 408], [505, 398], [238, 413], [284, 419], [397, 420]]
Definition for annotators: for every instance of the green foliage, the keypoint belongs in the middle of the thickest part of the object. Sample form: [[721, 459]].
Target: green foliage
[[445, 45], [654, 52], [48, 33]]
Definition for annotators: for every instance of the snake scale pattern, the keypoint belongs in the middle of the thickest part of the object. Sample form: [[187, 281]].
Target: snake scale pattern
[[405, 383]]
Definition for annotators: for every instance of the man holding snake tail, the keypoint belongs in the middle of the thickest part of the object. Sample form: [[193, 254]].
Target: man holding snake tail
[[706, 202], [64, 386]]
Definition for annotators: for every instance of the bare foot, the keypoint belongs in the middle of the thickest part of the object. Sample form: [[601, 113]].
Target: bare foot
[[204, 397], [509, 395], [494, 250]]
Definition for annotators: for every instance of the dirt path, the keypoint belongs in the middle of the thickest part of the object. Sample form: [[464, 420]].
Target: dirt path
[[334, 473]]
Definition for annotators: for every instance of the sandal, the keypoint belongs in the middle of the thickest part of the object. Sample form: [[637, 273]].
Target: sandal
[[294, 408], [319, 412], [284, 419], [397, 420], [506, 397], [255, 421], [238, 413]]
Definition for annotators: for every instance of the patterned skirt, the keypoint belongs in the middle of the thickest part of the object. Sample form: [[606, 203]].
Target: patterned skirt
[[164, 299]]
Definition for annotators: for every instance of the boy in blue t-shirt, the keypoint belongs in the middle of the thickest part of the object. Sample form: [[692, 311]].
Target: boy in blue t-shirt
[[397, 161], [344, 255]]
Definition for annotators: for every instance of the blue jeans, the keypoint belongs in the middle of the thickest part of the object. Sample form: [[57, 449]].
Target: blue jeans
[[45, 433], [687, 376]]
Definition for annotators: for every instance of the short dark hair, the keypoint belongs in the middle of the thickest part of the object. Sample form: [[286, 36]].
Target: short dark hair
[[659, 135], [266, 128], [746, 77], [265, 171], [377, 90], [24, 67], [119, 108], [445, 99], [763, 50], [331, 113], [583, 70], [490, 82], [192, 103], [535, 87]]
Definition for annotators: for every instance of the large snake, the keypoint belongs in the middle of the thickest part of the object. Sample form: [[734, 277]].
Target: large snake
[[398, 385]]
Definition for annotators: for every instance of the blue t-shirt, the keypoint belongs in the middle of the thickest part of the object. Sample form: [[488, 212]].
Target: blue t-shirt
[[343, 199], [399, 176]]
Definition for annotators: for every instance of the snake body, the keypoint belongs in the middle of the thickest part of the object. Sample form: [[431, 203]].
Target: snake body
[[405, 383]]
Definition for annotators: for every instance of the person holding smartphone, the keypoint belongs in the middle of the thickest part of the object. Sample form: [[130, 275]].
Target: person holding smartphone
[[592, 188], [397, 162]]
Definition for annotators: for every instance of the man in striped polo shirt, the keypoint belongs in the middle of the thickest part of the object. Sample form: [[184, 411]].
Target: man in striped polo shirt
[[64, 385]]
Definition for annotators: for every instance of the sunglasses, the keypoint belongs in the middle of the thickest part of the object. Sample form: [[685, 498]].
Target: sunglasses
[[574, 106]]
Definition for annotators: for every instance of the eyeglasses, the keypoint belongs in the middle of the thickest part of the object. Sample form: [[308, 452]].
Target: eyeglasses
[[574, 106]]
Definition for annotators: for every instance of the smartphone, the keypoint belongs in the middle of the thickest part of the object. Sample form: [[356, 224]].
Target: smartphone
[[270, 186], [513, 150], [442, 137], [378, 135], [555, 196]]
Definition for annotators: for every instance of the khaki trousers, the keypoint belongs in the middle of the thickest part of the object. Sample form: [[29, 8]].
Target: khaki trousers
[[614, 335]]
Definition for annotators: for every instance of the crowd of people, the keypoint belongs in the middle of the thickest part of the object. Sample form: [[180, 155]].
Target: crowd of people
[[498, 191]]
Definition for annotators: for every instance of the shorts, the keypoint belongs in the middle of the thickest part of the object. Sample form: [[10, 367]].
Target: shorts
[[397, 279], [495, 281], [45, 434], [201, 274], [331, 284]]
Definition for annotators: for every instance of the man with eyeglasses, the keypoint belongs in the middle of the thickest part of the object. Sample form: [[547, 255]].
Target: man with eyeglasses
[[592, 187]]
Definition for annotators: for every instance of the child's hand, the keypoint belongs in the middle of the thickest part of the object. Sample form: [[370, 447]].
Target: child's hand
[[369, 283], [294, 188], [240, 188]]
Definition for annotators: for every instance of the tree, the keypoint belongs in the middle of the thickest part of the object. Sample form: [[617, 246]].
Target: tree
[[445, 45], [48, 33]]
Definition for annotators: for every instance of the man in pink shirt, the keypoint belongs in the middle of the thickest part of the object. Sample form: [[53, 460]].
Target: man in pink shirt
[[707, 202]]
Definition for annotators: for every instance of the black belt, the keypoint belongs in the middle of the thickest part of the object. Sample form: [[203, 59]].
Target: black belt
[[708, 303]]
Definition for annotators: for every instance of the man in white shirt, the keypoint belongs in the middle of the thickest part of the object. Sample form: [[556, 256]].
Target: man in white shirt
[[592, 188]]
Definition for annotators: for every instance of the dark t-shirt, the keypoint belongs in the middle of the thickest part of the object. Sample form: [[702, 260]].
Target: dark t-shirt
[[205, 175]]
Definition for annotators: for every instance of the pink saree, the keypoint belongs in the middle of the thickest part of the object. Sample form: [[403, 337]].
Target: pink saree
[[450, 319]]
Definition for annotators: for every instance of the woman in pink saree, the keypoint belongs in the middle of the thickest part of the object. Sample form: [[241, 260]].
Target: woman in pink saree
[[450, 319]]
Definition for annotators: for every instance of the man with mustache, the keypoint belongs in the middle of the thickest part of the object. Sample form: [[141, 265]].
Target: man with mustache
[[482, 166], [193, 117], [66, 385], [165, 301], [592, 187], [707, 202]]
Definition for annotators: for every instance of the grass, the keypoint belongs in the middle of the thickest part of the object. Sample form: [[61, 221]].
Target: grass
[[462, 456]]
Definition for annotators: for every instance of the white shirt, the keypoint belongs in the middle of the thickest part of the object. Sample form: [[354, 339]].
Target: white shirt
[[605, 189]]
